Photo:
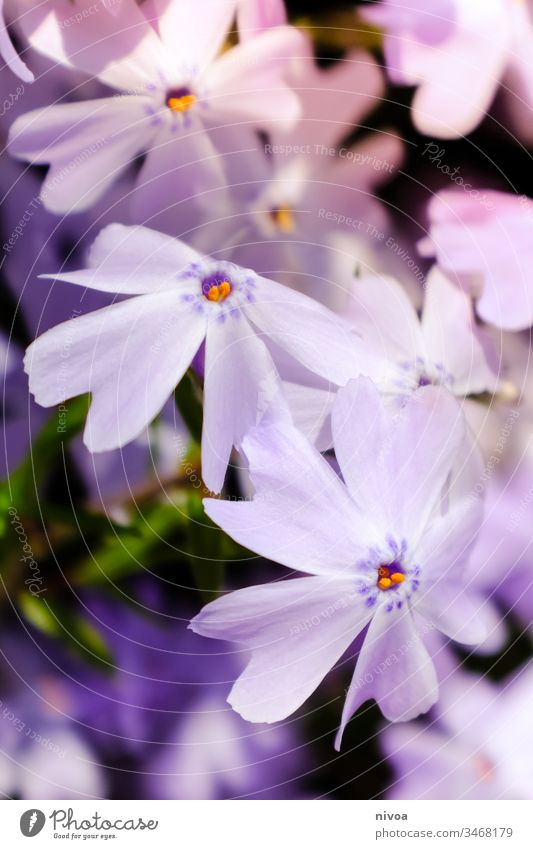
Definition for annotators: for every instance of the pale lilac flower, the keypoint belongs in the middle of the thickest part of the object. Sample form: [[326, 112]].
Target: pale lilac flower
[[479, 748], [487, 248], [444, 347], [310, 209], [456, 52], [380, 550], [131, 355], [175, 92], [9, 54]]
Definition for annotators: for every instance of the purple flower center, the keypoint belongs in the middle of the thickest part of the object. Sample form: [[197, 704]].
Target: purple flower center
[[216, 287]]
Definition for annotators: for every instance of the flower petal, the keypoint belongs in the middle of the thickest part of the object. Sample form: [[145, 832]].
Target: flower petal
[[130, 356], [487, 234], [182, 182], [394, 668], [296, 631], [320, 340], [119, 47], [438, 48], [386, 319], [87, 144], [248, 80], [395, 466], [453, 338], [133, 261], [242, 388], [9, 54], [301, 515], [193, 32], [254, 16]]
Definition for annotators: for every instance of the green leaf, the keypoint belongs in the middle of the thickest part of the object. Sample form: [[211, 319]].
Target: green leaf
[[21, 488], [39, 614], [74, 632], [188, 398]]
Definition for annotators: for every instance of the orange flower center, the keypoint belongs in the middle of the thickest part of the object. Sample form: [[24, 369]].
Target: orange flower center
[[389, 576], [219, 291]]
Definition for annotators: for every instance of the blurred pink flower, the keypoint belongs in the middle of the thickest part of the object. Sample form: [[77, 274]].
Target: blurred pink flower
[[487, 248], [456, 52]]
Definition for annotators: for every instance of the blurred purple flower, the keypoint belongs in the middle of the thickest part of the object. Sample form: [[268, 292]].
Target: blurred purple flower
[[479, 748], [164, 705], [380, 549]]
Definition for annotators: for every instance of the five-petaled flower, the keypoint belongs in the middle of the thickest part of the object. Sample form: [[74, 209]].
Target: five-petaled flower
[[176, 93], [132, 354], [386, 549]]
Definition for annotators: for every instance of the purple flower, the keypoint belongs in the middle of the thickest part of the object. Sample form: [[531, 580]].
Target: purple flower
[[173, 91], [380, 550], [131, 355], [479, 748], [9, 54], [213, 754], [484, 241], [438, 46]]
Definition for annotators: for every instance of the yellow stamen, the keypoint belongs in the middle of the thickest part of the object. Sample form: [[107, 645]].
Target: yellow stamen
[[224, 289], [283, 217], [384, 583], [397, 578], [220, 292], [213, 294], [181, 104]]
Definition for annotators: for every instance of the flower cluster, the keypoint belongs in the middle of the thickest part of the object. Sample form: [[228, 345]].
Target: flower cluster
[[306, 348]]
